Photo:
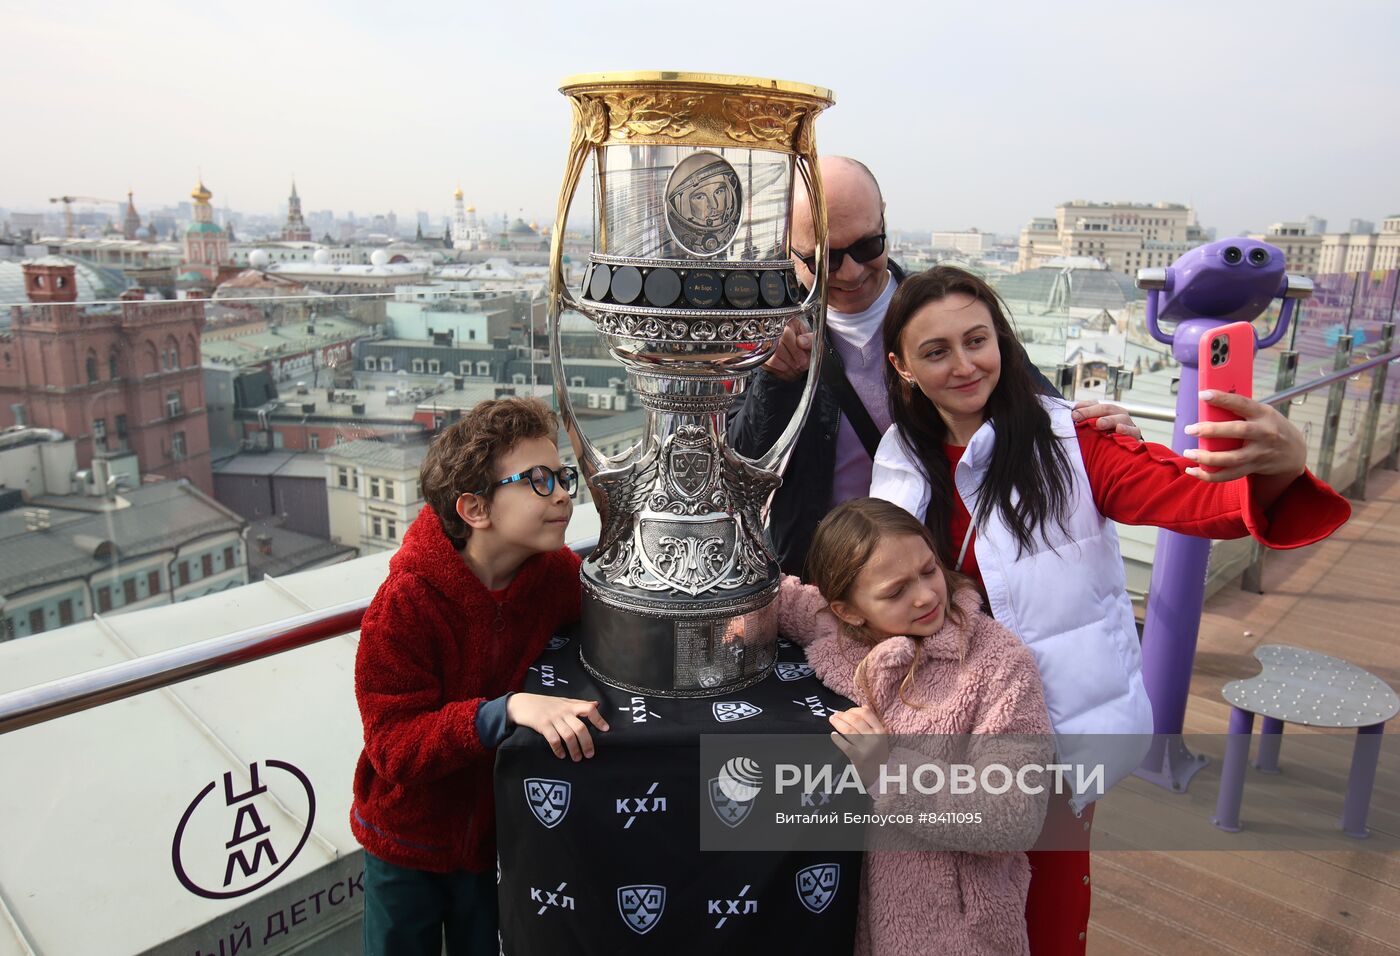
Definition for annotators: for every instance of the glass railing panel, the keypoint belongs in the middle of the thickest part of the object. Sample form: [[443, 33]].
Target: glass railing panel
[[1351, 426], [1228, 560], [1308, 412], [1388, 419]]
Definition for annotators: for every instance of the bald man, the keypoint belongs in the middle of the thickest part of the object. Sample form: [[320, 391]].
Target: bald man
[[830, 463]]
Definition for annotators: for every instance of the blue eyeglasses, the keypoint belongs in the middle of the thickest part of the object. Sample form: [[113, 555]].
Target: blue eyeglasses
[[541, 479]]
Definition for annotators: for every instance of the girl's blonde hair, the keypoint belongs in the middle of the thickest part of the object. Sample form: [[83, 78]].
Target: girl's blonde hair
[[843, 545]]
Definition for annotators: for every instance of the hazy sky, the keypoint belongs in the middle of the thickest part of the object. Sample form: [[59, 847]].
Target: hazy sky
[[971, 115]]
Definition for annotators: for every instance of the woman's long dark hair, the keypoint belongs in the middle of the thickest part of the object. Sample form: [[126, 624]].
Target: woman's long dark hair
[[1028, 480]]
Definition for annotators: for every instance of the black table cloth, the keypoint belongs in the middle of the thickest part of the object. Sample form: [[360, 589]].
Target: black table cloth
[[603, 856]]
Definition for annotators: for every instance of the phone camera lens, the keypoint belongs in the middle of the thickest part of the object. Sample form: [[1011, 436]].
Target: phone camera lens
[[1232, 255], [1219, 350], [1258, 257]]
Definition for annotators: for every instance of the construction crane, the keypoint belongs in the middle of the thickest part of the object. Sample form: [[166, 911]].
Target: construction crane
[[68, 209]]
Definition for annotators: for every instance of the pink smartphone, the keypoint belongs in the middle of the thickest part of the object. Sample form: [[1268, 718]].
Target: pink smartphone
[[1226, 365]]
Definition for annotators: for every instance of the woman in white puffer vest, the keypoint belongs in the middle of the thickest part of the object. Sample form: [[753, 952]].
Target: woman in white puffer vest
[[1021, 498]]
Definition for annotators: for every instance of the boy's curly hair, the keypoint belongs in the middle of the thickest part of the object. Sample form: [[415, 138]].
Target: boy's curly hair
[[464, 456]]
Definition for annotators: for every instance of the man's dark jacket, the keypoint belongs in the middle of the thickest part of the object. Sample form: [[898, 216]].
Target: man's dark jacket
[[756, 421]]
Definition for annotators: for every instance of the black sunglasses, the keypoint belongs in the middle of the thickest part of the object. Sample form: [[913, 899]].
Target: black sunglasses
[[541, 479], [862, 250]]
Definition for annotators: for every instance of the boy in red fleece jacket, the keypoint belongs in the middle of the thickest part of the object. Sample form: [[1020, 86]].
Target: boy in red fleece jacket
[[481, 583]]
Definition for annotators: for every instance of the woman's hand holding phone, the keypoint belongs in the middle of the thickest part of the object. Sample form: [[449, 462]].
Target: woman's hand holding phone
[[1269, 443], [1237, 435]]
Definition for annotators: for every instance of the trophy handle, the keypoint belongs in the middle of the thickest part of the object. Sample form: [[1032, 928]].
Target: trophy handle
[[589, 458], [814, 307]]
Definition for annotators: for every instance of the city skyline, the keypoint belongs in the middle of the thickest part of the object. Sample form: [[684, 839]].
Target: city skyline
[[984, 119]]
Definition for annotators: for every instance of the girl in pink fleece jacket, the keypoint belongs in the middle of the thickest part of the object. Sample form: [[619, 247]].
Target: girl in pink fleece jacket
[[886, 626]]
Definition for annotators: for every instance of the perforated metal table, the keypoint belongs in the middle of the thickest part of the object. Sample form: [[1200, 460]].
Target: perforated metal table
[[1314, 690]]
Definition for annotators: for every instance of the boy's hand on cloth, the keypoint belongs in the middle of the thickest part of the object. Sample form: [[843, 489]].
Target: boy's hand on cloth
[[864, 740], [559, 720]]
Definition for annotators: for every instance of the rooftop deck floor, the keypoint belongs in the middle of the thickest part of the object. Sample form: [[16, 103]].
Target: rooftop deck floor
[[1338, 597]]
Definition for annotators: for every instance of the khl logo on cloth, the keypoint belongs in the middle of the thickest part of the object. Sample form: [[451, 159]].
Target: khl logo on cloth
[[548, 799], [816, 885], [786, 670], [641, 905], [733, 792], [726, 711], [731, 812]]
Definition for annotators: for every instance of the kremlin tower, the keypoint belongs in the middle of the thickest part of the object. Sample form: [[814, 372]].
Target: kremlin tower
[[296, 229], [131, 222]]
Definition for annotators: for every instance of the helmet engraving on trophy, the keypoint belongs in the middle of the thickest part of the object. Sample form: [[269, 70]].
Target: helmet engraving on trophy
[[703, 202]]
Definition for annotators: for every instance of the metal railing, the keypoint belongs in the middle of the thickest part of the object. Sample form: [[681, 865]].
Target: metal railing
[[1163, 413], [69, 695]]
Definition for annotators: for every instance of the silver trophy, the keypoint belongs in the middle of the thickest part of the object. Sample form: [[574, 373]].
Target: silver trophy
[[691, 284]]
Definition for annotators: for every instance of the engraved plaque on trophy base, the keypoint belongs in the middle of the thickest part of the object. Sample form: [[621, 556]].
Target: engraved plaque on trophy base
[[666, 652]]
